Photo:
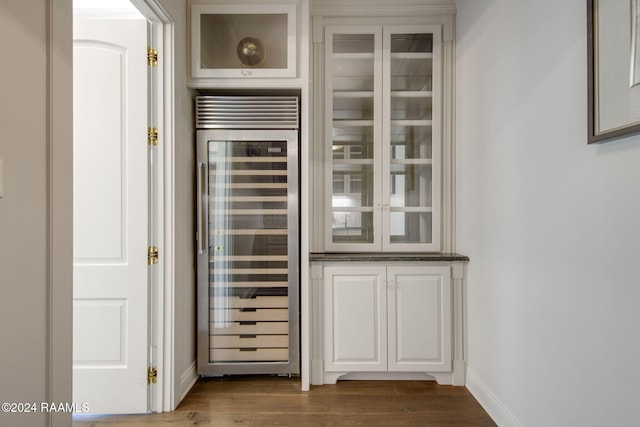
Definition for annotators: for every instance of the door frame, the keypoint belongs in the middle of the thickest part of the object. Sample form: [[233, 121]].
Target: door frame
[[160, 35], [161, 304], [59, 230]]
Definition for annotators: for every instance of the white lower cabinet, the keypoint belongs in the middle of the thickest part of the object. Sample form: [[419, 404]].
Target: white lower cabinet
[[387, 319], [355, 319]]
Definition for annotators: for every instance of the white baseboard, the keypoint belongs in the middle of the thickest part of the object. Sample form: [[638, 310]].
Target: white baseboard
[[494, 407], [187, 381]]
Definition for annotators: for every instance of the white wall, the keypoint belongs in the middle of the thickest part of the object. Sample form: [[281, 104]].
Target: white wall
[[35, 209], [551, 225]]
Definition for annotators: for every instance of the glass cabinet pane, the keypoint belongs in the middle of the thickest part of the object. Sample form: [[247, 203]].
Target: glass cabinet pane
[[353, 62], [352, 156], [411, 142], [411, 227], [352, 143], [352, 227], [411, 62], [352, 186], [410, 115], [410, 186], [243, 40], [410, 107], [352, 197]]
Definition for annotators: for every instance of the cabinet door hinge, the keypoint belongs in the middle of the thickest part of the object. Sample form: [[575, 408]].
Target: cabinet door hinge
[[152, 255], [152, 375], [152, 57], [152, 136]]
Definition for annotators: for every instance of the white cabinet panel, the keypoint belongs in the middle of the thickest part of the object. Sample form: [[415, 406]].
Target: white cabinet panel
[[355, 319], [419, 318]]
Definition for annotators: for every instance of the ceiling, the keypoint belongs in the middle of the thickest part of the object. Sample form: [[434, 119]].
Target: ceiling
[[103, 4]]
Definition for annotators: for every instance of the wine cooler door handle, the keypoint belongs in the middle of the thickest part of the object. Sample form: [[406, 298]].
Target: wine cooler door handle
[[202, 228]]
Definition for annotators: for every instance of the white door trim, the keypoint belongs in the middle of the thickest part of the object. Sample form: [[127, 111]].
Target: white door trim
[[161, 396]]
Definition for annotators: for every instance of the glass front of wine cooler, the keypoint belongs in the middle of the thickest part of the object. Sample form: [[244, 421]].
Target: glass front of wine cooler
[[248, 191]]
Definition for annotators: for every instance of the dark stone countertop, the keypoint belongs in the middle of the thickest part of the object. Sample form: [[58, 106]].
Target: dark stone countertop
[[376, 256]]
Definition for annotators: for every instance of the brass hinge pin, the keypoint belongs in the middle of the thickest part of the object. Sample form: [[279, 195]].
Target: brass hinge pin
[[152, 57], [152, 375], [152, 136], [152, 255]]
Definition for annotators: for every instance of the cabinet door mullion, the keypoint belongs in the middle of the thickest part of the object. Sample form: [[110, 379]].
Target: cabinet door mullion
[[385, 157]]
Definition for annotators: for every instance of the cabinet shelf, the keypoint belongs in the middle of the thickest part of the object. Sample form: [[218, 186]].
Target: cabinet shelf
[[352, 167], [359, 82], [411, 122], [348, 123], [411, 162], [353, 162], [349, 139], [411, 55], [411, 94], [352, 208], [350, 56], [353, 94], [410, 209]]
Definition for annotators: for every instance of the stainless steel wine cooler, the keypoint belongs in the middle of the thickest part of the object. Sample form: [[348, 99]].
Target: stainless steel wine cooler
[[247, 235]]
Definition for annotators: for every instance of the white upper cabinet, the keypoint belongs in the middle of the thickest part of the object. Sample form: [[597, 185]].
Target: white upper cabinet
[[243, 41], [382, 137]]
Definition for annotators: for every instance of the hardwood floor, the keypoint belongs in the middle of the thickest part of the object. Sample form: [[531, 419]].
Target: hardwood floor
[[278, 401]]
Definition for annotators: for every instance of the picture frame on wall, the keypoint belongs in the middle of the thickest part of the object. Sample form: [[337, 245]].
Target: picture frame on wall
[[613, 43]]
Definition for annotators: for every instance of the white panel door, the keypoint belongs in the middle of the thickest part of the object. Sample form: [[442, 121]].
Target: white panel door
[[355, 319], [419, 322], [110, 301]]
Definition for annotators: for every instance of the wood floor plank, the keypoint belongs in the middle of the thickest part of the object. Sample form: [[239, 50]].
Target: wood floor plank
[[265, 401]]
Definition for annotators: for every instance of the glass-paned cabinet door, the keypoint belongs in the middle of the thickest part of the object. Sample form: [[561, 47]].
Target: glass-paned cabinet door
[[382, 138], [411, 141], [353, 84], [243, 40]]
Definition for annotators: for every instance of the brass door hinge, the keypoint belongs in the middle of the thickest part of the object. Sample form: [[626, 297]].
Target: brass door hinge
[[152, 255], [152, 57], [152, 136], [152, 375]]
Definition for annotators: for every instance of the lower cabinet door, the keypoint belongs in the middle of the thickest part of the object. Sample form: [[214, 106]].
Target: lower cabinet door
[[419, 318], [355, 319]]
